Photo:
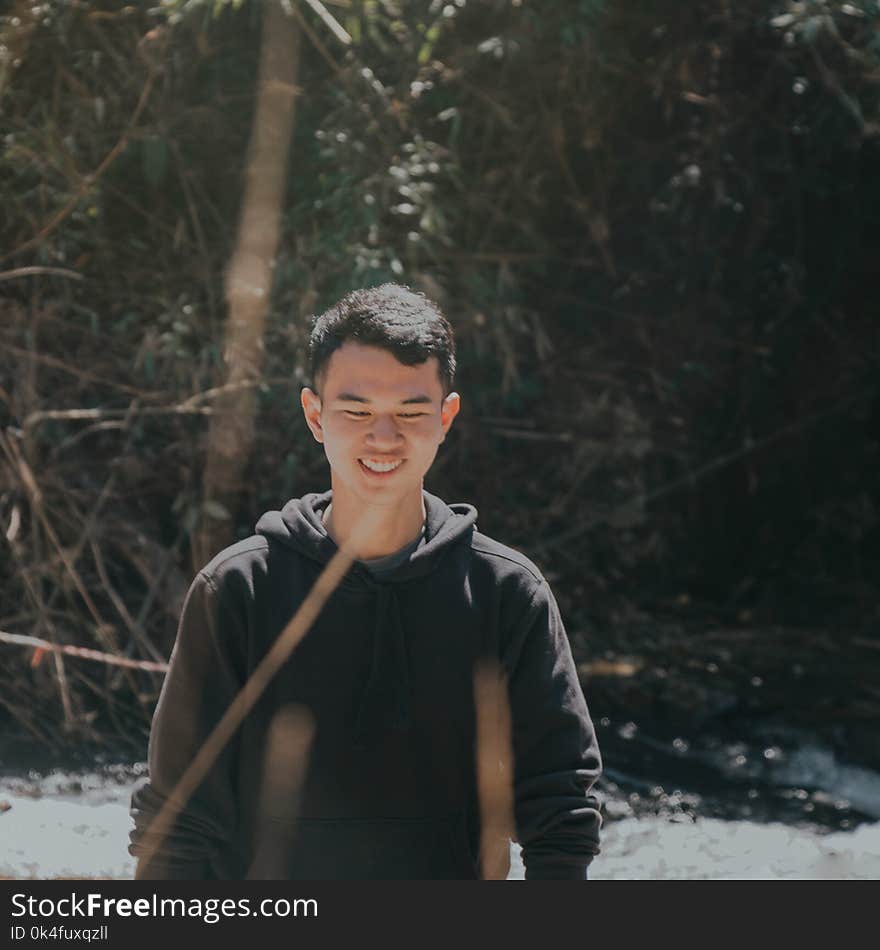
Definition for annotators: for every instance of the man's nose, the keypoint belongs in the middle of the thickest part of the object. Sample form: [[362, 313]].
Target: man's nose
[[384, 429]]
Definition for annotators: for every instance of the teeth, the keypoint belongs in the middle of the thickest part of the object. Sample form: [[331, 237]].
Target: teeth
[[381, 466]]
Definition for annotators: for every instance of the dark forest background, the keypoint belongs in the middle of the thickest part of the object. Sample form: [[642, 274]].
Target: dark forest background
[[654, 227]]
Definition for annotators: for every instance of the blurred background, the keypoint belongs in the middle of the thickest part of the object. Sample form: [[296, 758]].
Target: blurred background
[[653, 226]]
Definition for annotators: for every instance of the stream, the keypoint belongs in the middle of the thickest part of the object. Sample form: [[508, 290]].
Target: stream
[[776, 805]]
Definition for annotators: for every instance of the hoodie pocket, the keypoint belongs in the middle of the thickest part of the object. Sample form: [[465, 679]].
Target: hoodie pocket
[[367, 848]]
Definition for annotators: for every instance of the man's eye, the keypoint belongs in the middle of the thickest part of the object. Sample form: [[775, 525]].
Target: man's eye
[[404, 415]]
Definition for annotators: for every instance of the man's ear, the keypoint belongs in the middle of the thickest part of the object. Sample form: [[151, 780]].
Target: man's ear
[[311, 406], [448, 411]]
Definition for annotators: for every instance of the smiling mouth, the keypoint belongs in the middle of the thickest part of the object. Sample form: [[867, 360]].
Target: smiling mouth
[[380, 468]]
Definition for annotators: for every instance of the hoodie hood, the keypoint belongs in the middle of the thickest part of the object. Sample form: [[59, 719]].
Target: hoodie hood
[[386, 700], [299, 526]]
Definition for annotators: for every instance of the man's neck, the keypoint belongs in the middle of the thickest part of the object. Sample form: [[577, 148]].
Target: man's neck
[[402, 526]]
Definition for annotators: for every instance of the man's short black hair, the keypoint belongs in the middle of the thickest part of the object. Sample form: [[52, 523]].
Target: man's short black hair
[[391, 316]]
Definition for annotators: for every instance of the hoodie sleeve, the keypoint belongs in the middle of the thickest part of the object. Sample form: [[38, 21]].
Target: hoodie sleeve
[[556, 753], [202, 680]]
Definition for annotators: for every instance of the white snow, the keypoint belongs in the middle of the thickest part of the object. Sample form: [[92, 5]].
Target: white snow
[[68, 835], [710, 848], [77, 826]]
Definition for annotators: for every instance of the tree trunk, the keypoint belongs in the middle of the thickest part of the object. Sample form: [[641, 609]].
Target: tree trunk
[[249, 284]]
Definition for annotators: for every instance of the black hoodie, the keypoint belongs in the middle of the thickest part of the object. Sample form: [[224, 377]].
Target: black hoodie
[[390, 788]]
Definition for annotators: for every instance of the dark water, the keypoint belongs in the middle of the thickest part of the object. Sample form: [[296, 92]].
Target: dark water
[[770, 772]]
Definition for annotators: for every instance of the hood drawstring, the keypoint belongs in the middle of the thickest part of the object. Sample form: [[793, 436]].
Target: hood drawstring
[[386, 700]]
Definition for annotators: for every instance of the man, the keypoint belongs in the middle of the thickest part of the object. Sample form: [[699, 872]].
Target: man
[[389, 788]]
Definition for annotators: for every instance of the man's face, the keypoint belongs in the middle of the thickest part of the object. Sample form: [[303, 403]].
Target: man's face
[[375, 408]]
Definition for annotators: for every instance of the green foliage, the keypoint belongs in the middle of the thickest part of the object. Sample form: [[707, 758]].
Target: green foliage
[[652, 225], [154, 160]]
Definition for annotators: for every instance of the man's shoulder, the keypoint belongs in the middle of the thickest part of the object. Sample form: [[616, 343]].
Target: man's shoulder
[[236, 559], [505, 562]]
